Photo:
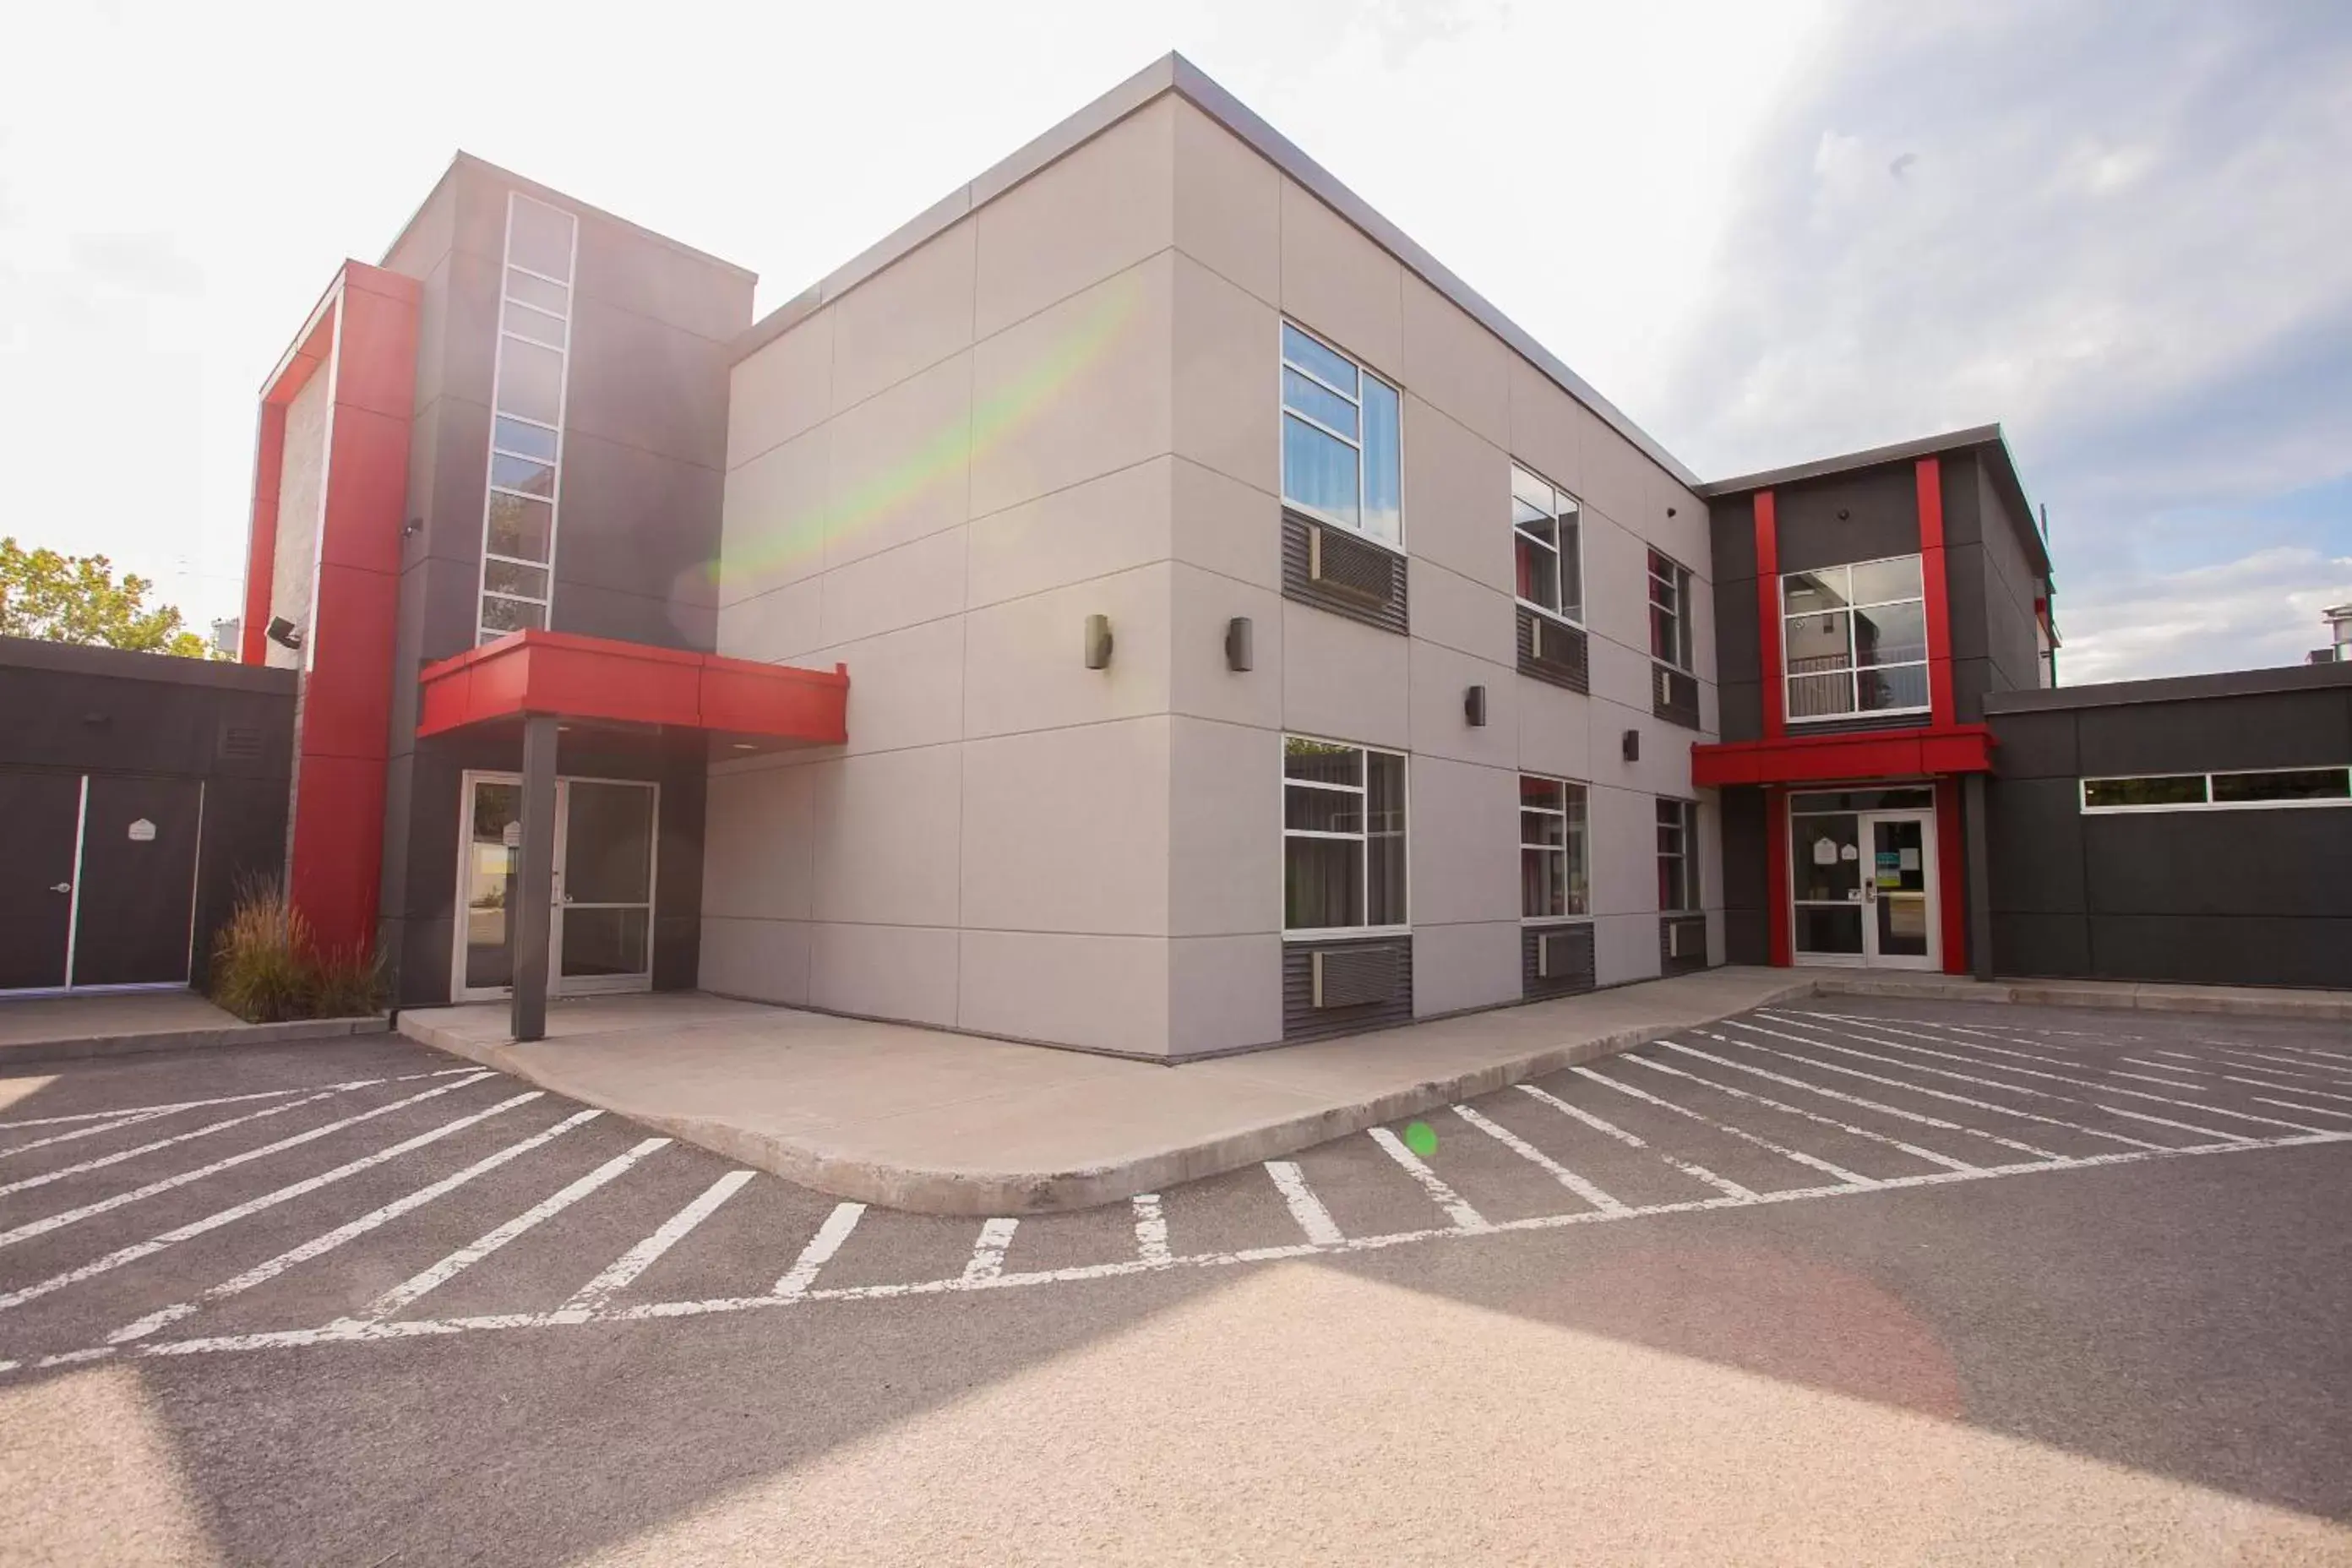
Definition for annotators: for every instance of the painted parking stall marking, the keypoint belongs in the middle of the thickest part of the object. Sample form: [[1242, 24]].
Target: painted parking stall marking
[[1786, 1085]]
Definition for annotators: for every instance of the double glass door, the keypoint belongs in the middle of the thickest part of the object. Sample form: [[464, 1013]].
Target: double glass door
[[1862, 884], [600, 935]]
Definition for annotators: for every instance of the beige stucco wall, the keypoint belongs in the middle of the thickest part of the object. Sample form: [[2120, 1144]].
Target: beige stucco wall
[[1065, 405], [301, 490]]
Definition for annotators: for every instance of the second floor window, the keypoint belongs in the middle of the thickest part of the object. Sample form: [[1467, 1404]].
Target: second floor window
[[1343, 863], [1553, 880], [1677, 855], [1342, 438], [1670, 626], [1547, 547], [1856, 639]]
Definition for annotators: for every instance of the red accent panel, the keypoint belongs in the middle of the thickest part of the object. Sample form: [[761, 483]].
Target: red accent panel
[[1774, 696], [367, 459], [347, 696], [337, 847], [621, 682], [1951, 874], [1929, 475], [261, 536], [1780, 916], [1822, 759]]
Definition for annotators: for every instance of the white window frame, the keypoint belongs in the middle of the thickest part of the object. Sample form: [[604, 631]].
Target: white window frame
[[1576, 834], [1853, 670], [483, 593], [1362, 791], [1685, 634], [1560, 498], [2082, 793], [1688, 854], [1283, 362]]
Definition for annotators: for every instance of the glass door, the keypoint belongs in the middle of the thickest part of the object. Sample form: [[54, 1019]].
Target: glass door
[[600, 934], [1863, 888], [491, 844], [1899, 892]]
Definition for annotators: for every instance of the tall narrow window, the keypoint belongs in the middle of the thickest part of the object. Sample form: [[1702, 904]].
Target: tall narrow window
[[527, 424], [1341, 439], [1343, 836], [1856, 639], [1546, 543], [1670, 629], [1553, 878], [1677, 855]]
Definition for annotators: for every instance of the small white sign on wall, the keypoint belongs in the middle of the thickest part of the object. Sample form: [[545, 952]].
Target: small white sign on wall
[[512, 836], [1825, 851], [142, 831]]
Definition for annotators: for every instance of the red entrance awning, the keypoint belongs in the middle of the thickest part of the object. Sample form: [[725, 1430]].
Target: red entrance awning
[[1921, 752], [597, 678]]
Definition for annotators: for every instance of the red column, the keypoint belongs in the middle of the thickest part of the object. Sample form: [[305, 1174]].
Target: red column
[[1773, 700], [1930, 482], [1779, 914], [1951, 877]]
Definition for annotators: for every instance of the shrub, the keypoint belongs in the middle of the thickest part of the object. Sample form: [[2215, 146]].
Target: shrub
[[268, 966]]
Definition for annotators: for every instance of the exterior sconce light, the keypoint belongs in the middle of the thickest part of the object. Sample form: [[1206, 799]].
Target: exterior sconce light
[[1632, 746], [1097, 642], [1239, 651], [283, 632], [1474, 707]]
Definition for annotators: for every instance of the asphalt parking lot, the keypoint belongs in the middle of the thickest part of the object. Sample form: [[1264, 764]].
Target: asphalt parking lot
[[367, 1209]]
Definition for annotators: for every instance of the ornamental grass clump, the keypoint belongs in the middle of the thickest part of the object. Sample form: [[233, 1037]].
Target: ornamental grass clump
[[268, 966]]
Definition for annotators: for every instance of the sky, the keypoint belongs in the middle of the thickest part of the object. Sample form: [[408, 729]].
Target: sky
[[1768, 232]]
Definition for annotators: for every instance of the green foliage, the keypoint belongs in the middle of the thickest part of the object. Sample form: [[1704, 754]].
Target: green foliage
[[75, 599], [268, 966]]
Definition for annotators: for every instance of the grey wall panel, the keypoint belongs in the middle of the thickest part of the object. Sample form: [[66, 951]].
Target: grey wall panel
[[1881, 519], [2259, 730], [2268, 863], [1746, 937], [2036, 746], [627, 270], [1961, 488], [639, 381], [635, 618], [2037, 847], [1739, 633], [2223, 951], [1741, 711], [1731, 529], [2046, 946], [636, 522], [449, 472], [1964, 586]]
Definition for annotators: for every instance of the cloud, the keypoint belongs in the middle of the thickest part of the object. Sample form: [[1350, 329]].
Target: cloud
[[2119, 231], [2264, 607]]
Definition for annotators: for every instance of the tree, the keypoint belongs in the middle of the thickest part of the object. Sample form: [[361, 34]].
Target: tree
[[75, 599]]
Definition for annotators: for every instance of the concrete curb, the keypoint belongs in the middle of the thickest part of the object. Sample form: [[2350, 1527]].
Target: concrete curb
[[2108, 995], [88, 1047], [981, 1192]]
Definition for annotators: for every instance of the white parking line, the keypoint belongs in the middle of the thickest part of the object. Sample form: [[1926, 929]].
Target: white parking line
[[1847, 1127], [1464, 1216], [1537, 1157], [1798, 1155], [251, 1206], [144, 1112], [820, 1249], [97, 1129], [318, 1245], [426, 1280], [1307, 1210], [1724, 1184], [1151, 1228], [623, 1270], [1841, 1096], [169, 1184], [988, 1252], [206, 1131]]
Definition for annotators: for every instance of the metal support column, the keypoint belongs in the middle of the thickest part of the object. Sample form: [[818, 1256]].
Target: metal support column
[[1976, 830], [535, 879]]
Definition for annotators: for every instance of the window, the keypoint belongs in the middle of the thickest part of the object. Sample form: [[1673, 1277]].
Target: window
[[1553, 858], [526, 430], [1546, 542], [1677, 855], [1856, 639], [1342, 837], [1670, 631], [2221, 791], [1341, 440]]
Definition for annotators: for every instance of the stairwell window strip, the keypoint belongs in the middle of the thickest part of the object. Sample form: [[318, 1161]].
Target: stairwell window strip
[[1342, 440], [1547, 545], [1554, 866], [1854, 639], [1343, 839], [518, 516]]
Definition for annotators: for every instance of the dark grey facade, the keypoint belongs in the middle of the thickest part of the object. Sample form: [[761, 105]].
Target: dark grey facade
[[200, 752], [636, 534], [2252, 896]]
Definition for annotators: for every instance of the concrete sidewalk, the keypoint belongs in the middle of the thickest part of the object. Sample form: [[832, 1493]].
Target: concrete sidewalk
[[943, 1123], [85, 1023]]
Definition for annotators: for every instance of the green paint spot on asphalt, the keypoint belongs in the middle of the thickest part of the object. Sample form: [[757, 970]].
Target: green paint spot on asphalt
[[1421, 1138]]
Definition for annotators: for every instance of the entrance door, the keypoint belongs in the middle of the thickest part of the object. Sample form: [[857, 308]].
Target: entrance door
[[600, 934], [40, 828], [134, 918], [1863, 888]]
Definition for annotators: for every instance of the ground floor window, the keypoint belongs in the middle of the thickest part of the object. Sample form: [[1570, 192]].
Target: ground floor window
[[1554, 867], [1677, 855], [1343, 836], [2179, 792]]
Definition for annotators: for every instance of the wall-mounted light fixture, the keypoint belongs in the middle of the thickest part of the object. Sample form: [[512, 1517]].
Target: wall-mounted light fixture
[[1670, 511], [413, 526], [1240, 653], [1632, 746], [1474, 707], [1844, 512], [1097, 642], [283, 632]]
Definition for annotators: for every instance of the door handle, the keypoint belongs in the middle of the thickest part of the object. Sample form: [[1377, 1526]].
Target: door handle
[[61, 887]]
